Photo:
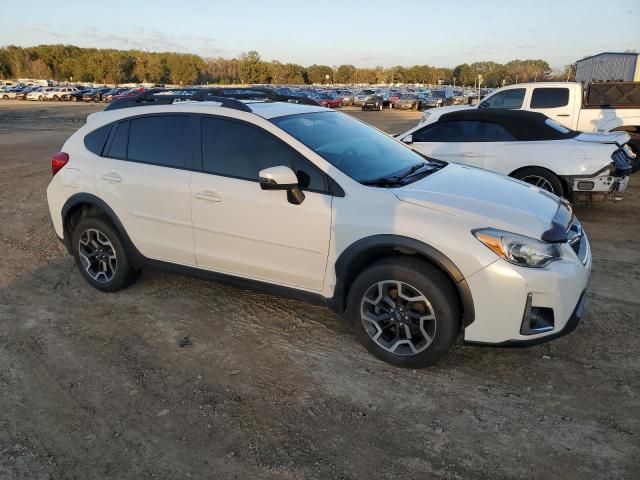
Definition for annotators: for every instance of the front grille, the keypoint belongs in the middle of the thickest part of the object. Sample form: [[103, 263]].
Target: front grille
[[578, 240]]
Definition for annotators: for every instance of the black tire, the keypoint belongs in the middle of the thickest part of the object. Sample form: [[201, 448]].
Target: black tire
[[542, 178], [427, 280], [5, 97], [125, 274], [634, 144]]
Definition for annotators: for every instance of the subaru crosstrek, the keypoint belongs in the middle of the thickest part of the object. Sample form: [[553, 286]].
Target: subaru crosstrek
[[304, 201]]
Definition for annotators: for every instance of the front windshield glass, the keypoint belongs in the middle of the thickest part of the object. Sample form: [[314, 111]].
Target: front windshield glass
[[358, 150]]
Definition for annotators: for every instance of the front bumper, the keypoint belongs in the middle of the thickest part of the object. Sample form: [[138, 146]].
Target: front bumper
[[501, 290]]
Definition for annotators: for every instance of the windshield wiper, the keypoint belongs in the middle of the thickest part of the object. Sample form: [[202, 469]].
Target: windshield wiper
[[422, 168]]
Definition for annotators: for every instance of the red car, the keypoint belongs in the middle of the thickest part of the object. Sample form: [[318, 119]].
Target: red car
[[129, 93], [329, 101], [394, 97]]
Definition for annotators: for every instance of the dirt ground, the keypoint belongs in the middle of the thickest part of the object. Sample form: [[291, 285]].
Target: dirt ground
[[96, 385]]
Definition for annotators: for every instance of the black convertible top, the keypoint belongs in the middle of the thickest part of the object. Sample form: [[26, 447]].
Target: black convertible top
[[521, 124]]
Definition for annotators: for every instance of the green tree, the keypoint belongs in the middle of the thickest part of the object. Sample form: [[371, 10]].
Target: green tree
[[252, 69]]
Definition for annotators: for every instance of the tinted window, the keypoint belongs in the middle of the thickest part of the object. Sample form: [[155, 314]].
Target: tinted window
[[238, 150], [456, 131], [511, 99], [118, 147], [94, 141], [549, 97], [161, 140], [492, 132]]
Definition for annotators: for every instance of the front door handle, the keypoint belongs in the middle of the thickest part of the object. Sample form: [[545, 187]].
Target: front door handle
[[208, 196], [470, 154], [111, 177], [562, 115]]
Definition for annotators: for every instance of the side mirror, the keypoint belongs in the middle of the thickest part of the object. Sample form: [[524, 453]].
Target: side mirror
[[408, 139], [282, 178]]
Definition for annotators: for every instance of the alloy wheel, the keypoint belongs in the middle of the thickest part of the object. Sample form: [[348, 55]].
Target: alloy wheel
[[97, 255], [398, 317], [539, 182]]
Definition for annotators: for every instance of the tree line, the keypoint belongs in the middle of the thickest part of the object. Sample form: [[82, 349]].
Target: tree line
[[71, 63]]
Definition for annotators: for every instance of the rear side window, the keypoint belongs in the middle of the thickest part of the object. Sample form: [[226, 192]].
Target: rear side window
[[549, 97], [94, 141], [454, 131], [118, 145], [492, 132], [161, 140]]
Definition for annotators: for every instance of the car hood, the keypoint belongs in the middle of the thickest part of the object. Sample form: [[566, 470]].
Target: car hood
[[619, 138], [485, 198]]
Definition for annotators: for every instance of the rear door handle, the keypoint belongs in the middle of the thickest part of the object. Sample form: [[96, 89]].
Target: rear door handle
[[470, 154], [208, 195], [111, 177], [562, 115]]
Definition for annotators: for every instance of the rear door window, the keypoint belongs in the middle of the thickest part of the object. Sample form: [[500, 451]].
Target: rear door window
[[549, 98], [451, 131], [162, 140]]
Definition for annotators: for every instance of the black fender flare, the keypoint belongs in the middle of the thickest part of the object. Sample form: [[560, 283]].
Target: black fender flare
[[349, 258], [88, 199]]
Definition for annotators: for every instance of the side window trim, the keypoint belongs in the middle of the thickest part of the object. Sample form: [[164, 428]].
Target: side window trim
[[330, 184]]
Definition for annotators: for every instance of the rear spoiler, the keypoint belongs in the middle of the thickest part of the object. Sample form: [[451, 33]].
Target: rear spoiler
[[558, 233]]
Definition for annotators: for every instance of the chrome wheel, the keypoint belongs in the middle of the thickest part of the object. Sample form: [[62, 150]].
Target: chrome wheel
[[398, 317], [539, 182], [97, 255]]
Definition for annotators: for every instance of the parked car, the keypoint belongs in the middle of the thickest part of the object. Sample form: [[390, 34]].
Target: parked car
[[39, 93], [408, 101], [108, 96], [437, 98], [359, 99], [10, 93], [530, 147], [77, 95], [348, 98], [372, 102], [95, 94], [602, 107], [328, 101], [458, 97], [22, 94], [132, 92], [394, 97], [59, 93], [313, 203]]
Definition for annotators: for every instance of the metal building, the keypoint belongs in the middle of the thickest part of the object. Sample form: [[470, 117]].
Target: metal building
[[609, 66]]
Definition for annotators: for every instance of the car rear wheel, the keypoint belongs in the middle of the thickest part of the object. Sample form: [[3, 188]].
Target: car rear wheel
[[100, 255], [5, 97], [404, 311], [55, 98], [541, 178]]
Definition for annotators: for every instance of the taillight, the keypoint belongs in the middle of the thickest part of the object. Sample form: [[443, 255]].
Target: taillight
[[58, 161]]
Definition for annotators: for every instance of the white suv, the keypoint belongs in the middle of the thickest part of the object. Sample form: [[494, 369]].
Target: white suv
[[309, 202]]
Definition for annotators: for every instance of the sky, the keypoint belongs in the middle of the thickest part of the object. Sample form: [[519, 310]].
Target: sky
[[365, 33]]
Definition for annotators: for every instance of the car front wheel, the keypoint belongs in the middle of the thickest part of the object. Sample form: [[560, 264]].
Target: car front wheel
[[100, 255], [404, 311]]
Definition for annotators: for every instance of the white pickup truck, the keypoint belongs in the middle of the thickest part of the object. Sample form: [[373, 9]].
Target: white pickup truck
[[601, 107]]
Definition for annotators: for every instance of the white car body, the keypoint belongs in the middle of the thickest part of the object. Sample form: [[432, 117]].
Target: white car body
[[584, 160], [230, 226], [39, 94], [59, 93], [571, 112], [8, 94]]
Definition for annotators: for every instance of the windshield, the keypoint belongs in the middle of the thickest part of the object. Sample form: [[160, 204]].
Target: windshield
[[437, 94], [360, 151]]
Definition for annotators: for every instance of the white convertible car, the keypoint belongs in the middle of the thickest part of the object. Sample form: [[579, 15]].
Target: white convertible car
[[531, 147]]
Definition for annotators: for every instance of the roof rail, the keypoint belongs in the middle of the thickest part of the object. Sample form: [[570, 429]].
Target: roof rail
[[227, 97]]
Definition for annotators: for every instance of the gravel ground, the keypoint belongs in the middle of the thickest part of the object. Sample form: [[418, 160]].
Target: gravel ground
[[96, 385]]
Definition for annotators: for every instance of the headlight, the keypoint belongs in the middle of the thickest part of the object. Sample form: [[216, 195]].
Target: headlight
[[518, 249]]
